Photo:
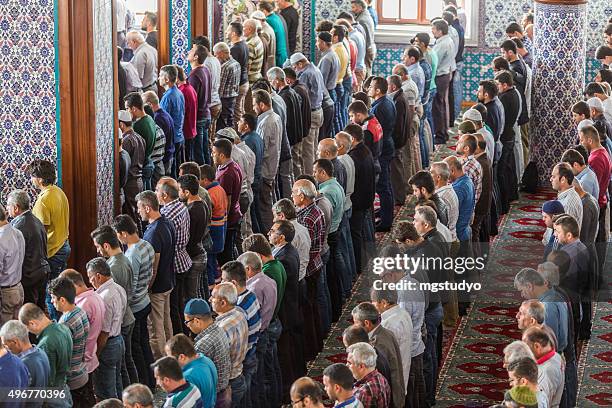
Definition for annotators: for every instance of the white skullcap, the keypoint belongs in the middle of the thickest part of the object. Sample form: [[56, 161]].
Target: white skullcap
[[258, 15], [297, 57], [124, 116], [595, 103], [472, 114], [584, 123]]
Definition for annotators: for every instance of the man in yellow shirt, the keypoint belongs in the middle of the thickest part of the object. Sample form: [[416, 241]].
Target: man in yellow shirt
[[341, 114], [51, 208]]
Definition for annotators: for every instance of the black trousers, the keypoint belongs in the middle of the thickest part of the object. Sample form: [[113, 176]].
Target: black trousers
[[35, 293], [440, 109]]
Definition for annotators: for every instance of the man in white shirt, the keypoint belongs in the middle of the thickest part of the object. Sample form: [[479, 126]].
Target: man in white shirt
[[284, 209], [441, 174], [398, 321], [144, 60], [550, 364]]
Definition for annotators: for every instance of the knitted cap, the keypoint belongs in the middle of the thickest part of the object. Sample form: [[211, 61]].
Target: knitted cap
[[553, 207], [522, 395], [197, 307]]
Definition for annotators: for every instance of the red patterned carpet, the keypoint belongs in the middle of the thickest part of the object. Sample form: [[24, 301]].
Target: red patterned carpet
[[472, 374]]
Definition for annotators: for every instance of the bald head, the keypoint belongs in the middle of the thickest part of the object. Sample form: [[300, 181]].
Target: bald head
[[250, 26], [401, 71], [327, 149], [304, 389], [167, 190]]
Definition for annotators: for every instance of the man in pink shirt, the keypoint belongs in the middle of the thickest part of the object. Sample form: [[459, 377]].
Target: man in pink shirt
[[191, 113], [93, 305]]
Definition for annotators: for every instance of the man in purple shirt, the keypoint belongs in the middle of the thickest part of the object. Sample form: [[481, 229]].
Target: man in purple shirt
[[229, 177], [200, 79], [165, 122]]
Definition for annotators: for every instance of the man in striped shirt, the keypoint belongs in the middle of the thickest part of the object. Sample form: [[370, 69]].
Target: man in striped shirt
[[169, 376], [63, 294], [561, 179], [233, 321], [235, 273]]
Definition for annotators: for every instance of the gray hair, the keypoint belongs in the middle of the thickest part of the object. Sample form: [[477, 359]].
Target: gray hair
[[427, 214], [149, 199], [150, 97], [285, 206], [255, 24], [227, 291], [138, 394], [136, 36], [366, 311], [252, 260], [98, 265], [387, 295], [401, 69], [536, 309], [517, 350], [275, 73], [20, 198], [441, 169], [344, 139], [221, 47], [14, 329], [308, 189], [363, 353], [550, 272], [528, 276]]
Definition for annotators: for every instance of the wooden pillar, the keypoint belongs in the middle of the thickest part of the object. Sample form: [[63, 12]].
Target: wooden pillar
[[199, 18]]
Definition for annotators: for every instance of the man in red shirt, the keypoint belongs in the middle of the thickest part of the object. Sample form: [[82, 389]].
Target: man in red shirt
[[191, 112], [229, 177], [599, 161]]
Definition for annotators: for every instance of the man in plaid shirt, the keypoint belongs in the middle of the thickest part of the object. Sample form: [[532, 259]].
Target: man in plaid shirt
[[466, 148], [370, 387], [228, 85], [310, 216], [177, 213]]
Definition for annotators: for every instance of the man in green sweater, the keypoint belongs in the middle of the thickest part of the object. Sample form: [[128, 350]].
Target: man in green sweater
[[144, 125], [56, 341]]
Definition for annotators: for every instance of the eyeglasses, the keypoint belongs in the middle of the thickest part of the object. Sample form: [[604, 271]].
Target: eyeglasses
[[188, 321], [294, 403]]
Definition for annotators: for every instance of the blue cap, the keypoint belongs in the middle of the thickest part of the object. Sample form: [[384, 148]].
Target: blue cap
[[197, 307], [553, 207]]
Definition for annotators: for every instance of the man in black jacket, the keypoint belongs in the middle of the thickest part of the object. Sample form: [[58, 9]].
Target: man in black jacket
[[290, 343], [363, 195], [35, 265]]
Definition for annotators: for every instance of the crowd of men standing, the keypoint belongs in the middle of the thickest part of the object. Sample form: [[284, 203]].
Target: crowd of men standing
[[248, 194]]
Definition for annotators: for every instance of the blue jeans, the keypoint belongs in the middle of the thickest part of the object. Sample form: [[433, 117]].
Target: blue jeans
[[433, 318], [261, 389], [571, 385], [107, 377], [249, 371], [179, 158], [458, 89], [383, 188], [427, 110], [58, 263], [338, 115], [272, 367], [239, 388], [348, 92], [201, 154], [141, 349], [423, 146], [323, 298], [147, 175]]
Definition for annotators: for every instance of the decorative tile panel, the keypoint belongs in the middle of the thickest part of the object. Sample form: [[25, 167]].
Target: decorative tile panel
[[180, 32], [105, 110], [29, 108], [558, 81]]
